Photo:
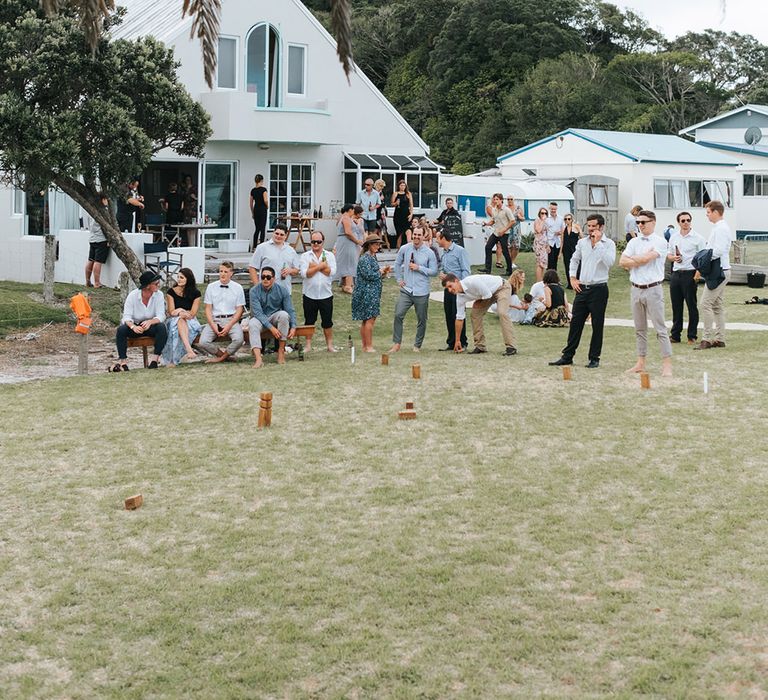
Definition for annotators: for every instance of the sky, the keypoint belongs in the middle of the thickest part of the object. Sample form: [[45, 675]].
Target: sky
[[675, 17]]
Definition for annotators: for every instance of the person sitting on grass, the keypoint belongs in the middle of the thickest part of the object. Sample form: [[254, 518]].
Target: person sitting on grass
[[183, 301], [224, 305], [555, 312], [271, 308], [143, 316]]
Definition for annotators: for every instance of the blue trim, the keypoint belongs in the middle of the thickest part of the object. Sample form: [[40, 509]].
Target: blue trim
[[692, 162], [567, 132], [735, 149], [298, 110]]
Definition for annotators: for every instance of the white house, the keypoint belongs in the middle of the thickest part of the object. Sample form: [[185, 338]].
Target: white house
[[611, 171], [281, 106], [742, 134]]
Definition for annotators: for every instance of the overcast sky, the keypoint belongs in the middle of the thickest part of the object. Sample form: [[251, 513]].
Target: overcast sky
[[675, 17]]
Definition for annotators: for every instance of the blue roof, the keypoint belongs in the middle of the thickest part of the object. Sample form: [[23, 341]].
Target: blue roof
[[758, 150], [640, 148]]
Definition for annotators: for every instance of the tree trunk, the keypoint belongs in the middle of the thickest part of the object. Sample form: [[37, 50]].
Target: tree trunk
[[49, 268], [89, 201]]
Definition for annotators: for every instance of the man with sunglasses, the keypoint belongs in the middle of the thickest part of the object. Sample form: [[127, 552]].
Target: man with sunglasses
[[271, 308], [683, 245], [318, 268], [644, 257]]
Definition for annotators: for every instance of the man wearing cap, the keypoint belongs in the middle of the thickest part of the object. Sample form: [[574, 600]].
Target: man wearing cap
[[271, 308], [482, 290], [277, 254], [224, 305], [414, 265], [644, 257], [595, 254], [370, 200], [318, 268], [453, 260], [143, 316]]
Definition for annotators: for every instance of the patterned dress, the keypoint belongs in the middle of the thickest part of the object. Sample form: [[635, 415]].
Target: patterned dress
[[366, 299], [540, 248], [557, 315]]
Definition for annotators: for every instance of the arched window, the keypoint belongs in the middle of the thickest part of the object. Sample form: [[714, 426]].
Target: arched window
[[262, 65]]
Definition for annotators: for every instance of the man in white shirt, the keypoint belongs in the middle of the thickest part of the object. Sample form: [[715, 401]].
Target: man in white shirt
[[277, 254], [369, 199], [224, 304], [482, 290], [712, 313], [554, 226], [318, 268], [644, 257], [592, 260], [683, 245]]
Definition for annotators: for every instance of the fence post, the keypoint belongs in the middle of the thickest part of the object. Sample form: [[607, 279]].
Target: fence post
[[49, 265]]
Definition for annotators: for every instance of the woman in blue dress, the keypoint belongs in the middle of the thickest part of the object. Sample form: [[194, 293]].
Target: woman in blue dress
[[183, 301], [366, 299], [349, 238]]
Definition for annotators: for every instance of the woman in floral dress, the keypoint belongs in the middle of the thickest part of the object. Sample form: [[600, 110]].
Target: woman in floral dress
[[366, 299]]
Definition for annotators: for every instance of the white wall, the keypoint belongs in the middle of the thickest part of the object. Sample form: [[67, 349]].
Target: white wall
[[73, 254], [21, 257]]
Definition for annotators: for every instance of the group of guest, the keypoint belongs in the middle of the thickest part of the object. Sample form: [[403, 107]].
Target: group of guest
[[179, 205], [173, 324]]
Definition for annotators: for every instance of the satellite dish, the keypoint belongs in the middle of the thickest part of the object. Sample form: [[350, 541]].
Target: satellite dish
[[753, 135]]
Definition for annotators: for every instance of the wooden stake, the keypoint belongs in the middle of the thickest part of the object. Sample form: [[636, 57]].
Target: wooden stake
[[406, 415], [416, 371], [265, 409], [645, 380], [134, 502], [82, 355], [384, 359], [409, 405], [567, 373]]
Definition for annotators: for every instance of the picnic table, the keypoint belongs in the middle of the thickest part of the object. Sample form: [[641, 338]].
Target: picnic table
[[192, 231], [300, 224]]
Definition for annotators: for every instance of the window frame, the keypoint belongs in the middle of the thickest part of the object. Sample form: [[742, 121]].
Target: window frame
[[236, 63], [275, 211], [598, 188], [305, 50], [276, 81], [759, 185], [18, 195], [685, 189]]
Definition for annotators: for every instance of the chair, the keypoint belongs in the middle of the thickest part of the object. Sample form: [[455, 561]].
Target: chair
[[154, 224], [164, 262]]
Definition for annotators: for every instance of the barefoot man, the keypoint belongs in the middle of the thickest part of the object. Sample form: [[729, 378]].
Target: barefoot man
[[271, 308], [644, 257]]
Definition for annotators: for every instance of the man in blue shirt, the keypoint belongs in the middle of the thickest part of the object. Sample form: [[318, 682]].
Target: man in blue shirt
[[271, 308], [454, 260], [369, 199], [414, 265]]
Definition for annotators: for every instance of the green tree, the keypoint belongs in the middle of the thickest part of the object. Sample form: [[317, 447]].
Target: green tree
[[86, 122]]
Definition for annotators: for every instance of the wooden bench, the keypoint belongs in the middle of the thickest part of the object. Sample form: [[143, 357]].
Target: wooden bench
[[301, 332], [143, 343]]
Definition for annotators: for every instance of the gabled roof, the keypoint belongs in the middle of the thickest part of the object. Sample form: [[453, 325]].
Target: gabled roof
[[760, 109], [158, 18], [758, 150], [640, 148]]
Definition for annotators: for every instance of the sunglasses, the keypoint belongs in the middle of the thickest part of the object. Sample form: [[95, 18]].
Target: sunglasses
[[642, 222], [267, 277], [568, 218], [316, 242], [685, 221]]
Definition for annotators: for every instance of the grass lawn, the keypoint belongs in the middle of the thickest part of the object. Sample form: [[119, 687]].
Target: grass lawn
[[524, 537]]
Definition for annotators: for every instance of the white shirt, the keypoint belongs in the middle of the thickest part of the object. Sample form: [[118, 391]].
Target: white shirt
[[537, 290], [476, 287], [652, 271], [135, 311], [269, 254], [319, 285], [595, 262], [688, 246], [224, 301], [552, 226], [720, 239], [630, 224]]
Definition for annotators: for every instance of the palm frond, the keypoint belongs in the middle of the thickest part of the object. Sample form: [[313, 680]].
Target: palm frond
[[92, 14], [341, 24], [207, 17]]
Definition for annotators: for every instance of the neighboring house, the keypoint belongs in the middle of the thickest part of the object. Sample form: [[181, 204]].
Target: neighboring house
[[281, 106], [610, 171], [742, 134]]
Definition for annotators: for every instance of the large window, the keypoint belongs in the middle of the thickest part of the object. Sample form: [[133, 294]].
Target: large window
[[262, 66], [756, 185], [296, 70], [291, 189], [226, 68], [219, 193], [679, 194], [18, 201]]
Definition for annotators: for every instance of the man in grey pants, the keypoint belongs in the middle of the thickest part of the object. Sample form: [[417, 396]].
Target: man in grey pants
[[414, 265], [644, 257]]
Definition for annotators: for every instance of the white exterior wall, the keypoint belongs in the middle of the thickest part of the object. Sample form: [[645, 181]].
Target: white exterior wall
[[22, 256], [578, 157]]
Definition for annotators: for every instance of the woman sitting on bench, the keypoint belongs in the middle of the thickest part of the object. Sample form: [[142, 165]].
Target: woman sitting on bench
[[143, 316], [183, 327]]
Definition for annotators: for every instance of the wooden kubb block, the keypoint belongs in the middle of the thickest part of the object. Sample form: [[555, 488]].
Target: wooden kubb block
[[134, 502], [385, 359], [416, 371], [645, 380], [406, 415], [567, 373], [409, 405]]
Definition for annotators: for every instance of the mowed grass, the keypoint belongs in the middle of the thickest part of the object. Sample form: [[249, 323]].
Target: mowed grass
[[524, 537]]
